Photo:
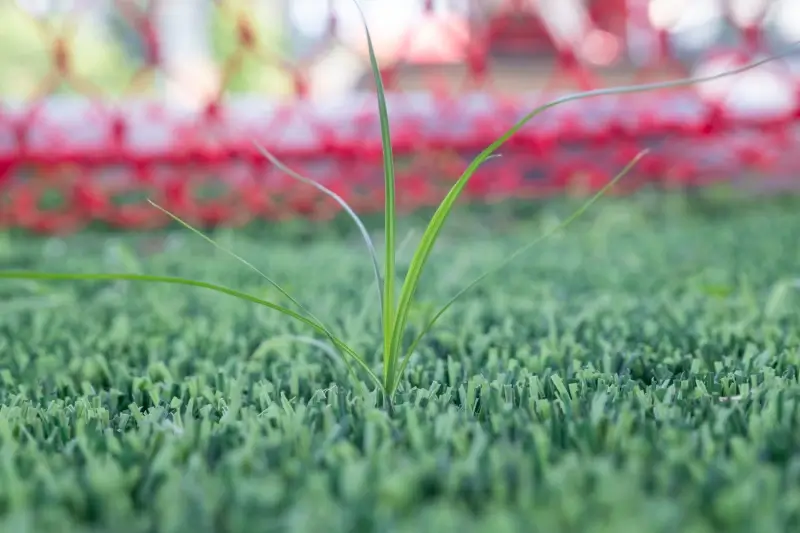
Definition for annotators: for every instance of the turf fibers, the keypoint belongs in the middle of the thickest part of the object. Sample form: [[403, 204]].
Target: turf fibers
[[637, 373]]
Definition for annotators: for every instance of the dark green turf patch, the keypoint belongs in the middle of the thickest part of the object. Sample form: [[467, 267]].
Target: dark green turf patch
[[638, 373]]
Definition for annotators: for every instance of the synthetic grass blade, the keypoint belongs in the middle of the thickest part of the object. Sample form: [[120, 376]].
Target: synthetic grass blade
[[339, 200], [390, 217], [34, 303], [58, 276], [511, 258]]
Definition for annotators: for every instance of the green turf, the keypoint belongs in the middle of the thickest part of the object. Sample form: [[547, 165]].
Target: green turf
[[636, 374]]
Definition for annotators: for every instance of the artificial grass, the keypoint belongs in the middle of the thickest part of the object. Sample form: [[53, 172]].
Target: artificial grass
[[637, 373]]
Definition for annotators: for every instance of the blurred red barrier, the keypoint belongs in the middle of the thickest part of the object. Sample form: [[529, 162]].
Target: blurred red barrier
[[181, 132]]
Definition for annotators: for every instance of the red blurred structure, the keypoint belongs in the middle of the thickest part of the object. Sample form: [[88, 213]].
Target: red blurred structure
[[457, 80]]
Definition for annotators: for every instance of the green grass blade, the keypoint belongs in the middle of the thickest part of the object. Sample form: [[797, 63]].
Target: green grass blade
[[339, 200], [172, 280], [273, 342], [281, 290], [521, 251], [242, 260], [431, 233], [400, 249], [390, 217], [251, 266]]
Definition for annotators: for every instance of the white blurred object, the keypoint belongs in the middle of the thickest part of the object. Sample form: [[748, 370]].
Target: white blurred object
[[784, 16], [763, 90], [695, 24], [569, 24], [191, 76], [747, 12], [388, 20], [566, 20], [438, 36], [665, 14]]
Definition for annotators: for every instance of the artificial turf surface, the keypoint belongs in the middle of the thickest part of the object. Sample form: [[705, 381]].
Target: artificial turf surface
[[638, 373]]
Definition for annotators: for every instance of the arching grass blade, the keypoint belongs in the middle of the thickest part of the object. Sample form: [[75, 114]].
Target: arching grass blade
[[521, 251], [58, 276], [338, 199]]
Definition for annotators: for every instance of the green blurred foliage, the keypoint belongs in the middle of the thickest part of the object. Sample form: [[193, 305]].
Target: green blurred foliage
[[26, 57], [108, 58], [261, 72]]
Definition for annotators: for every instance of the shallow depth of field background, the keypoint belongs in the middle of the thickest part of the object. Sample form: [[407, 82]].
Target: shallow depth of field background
[[638, 372]]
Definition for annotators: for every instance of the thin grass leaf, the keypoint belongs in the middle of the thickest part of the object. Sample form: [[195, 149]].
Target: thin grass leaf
[[271, 343], [258, 271], [59, 276], [436, 224], [519, 252], [241, 259], [338, 199], [401, 248], [390, 217]]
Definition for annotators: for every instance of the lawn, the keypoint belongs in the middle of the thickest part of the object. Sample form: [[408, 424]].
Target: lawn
[[636, 373]]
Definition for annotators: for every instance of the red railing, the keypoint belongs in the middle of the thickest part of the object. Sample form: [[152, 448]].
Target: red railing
[[81, 145]]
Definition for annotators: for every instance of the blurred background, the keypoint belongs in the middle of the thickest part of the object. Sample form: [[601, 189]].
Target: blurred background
[[106, 102]]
